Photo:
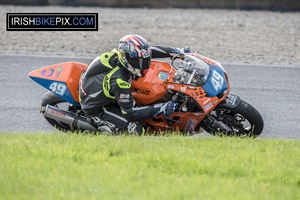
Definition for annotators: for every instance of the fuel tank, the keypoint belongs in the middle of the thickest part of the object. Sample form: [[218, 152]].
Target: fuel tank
[[152, 87]]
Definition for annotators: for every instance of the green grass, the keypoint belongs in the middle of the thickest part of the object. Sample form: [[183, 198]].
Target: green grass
[[56, 166]]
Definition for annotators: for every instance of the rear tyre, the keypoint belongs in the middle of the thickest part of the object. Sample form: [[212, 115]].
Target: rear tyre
[[54, 100], [243, 120]]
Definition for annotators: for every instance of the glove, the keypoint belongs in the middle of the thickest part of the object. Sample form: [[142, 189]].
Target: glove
[[166, 109], [179, 52], [186, 49]]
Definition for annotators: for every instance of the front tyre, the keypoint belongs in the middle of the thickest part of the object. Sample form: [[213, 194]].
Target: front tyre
[[243, 120]]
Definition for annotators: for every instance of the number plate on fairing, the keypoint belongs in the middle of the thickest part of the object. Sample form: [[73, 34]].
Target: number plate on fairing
[[58, 88], [216, 82], [61, 79]]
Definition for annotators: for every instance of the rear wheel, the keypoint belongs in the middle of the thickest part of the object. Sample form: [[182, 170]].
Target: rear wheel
[[54, 100], [243, 120]]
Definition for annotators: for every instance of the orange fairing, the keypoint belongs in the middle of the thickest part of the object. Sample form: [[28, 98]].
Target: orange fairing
[[152, 87], [68, 73], [73, 77], [207, 60]]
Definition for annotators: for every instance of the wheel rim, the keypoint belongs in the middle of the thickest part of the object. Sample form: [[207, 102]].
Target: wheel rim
[[238, 123]]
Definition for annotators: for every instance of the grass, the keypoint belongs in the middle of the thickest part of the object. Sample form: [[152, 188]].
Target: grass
[[56, 166]]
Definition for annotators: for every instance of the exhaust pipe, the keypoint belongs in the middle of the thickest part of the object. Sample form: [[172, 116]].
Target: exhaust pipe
[[76, 122]]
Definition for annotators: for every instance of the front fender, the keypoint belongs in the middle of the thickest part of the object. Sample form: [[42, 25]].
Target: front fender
[[231, 101]]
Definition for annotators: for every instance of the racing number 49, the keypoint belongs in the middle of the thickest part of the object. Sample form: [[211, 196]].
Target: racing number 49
[[58, 88], [217, 80]]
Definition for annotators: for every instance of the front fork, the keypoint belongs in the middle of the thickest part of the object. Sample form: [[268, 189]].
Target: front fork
[[231, 101]]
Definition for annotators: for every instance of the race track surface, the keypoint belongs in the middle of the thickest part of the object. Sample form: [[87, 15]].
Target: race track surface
[[235, 36], [274, 91]]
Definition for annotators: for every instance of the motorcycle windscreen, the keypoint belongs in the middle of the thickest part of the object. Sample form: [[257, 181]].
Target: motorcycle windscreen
[[61, 79], [216, 82]]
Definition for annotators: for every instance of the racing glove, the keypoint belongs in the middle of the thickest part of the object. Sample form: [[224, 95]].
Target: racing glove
[[166, 109], [179, 52], [186, 49]]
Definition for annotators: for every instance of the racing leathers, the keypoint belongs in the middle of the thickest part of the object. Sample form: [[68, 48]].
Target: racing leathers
[[106, 81]]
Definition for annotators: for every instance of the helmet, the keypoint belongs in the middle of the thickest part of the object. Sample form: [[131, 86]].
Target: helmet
[[135, 54]]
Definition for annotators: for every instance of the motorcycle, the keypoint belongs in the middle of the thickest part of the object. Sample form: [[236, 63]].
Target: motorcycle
[[198, 85]]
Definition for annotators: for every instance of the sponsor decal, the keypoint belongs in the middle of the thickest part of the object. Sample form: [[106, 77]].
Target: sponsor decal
[[162, 76], [47, 72], [145, 53], [43, 73], [205, 102], [59, 70], [124, 96], [216, 101], [106, 87], [112, 126], [182, 89], [192, 87], [171, 86], [191, 124], [198, 114], [123, 84], [208, 106], [188, 125], [97, 120], [231, 99], [58, 113], [124, 100], [51, 72], [131, 127], [142, 91]]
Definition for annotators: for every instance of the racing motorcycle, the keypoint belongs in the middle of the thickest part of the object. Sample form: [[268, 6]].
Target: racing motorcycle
[[198, 85]]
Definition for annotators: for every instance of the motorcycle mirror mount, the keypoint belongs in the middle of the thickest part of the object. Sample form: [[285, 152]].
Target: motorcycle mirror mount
[[172, 62]]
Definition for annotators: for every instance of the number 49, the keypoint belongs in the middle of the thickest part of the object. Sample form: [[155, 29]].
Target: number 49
[[217, 81], [58, 88]]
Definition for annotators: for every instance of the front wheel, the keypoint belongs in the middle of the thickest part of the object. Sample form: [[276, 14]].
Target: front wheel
[[243, 120]]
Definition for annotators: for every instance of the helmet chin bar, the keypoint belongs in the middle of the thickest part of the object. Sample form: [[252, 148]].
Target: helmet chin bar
[[134, 71]]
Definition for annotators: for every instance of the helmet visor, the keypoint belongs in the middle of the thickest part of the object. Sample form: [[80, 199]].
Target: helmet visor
[[142, 64]]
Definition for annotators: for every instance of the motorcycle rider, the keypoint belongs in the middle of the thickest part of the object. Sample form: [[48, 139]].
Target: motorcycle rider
[[108, 78]]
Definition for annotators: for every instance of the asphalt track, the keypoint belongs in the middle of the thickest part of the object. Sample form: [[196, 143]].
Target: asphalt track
[[274, 91]]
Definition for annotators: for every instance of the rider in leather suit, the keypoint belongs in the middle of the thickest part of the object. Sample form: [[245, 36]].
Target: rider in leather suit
[[108, 78]]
